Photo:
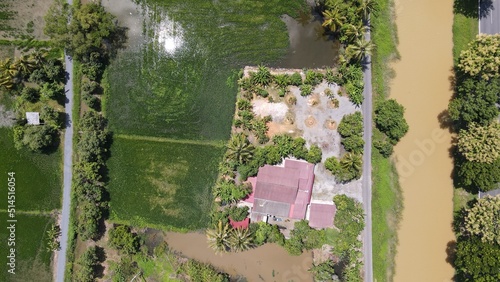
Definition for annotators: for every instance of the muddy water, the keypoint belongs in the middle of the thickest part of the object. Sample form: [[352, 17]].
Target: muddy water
[[267, 263], [422, 85]]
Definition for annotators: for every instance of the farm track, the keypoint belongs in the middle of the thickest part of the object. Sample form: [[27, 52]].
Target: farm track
[[213, 143]]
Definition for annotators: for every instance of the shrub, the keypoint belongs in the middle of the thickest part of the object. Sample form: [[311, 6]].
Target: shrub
[[313, 78], [314, 155], [51, 90], [30, 94], [389, 119], [263, 93], [243, 105], [238, 213], [261, 77], [88, 262], [121, 238], [382, 143], [89, 86], [282, 80], [91, 101], [282, 92], [266, 233], [50, 117], [201, 272], [38, 137], [296, 79], [245, 83], [305, 89], [355, 93]]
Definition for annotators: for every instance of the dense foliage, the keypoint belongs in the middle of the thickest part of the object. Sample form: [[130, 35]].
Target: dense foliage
[[121, 238], [351, 131], [389, 119], [483, 219], [482, 58], [480, 143]]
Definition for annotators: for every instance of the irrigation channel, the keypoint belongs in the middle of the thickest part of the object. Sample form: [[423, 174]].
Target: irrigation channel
[[422, 85], [196, 48]]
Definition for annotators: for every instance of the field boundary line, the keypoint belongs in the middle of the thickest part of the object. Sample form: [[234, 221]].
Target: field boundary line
[[214, 143]]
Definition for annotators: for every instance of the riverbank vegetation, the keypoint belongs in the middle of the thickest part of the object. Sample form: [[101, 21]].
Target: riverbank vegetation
[[386, 193], [473, 113]]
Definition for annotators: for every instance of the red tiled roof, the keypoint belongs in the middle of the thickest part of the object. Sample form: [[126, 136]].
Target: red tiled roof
[[278, 184], [250, 197], [239, 224], [321, 215]]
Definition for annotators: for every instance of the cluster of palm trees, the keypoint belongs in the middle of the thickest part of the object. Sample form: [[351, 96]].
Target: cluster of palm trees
[[12, 72], [223, 238], [350, 25]]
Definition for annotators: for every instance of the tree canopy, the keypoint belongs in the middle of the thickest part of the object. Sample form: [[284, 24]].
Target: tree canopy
[[475, 102], [483, 219], [480, 143], [482, 58], [477, 261], [389, 119], [476, 175]]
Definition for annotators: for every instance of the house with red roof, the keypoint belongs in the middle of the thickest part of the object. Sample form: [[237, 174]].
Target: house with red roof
[[285, 192]]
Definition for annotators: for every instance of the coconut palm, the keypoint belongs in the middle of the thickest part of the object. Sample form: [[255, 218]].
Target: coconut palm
[[218, 238], [333, 19], [6, 81], [38, 57], [355, 32], [240, 239], [24, 65], [262, 77], [366, 7], [352, 163], [239, 148], [359, 49]]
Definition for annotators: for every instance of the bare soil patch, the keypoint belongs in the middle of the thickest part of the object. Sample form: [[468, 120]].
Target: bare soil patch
[[28, 19]]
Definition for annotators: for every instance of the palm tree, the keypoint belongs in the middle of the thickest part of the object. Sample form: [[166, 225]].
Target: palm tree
[[218, 238], [354, 32], [366, 7], [6, 81], [239, 148], [352, 163], [240, 240], [24, 65], [359, 50], [38, 57], [333, 19]]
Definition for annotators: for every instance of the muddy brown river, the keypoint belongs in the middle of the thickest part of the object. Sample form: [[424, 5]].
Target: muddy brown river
[[267, 263], [422, 85]]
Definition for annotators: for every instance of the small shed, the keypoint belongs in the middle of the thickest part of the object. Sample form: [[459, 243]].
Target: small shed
[[321, 215], [33, 118]]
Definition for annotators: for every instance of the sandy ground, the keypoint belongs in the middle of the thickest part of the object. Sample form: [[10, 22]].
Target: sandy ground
[[27, 11], [423, 161], [7, 118], [312, 116]]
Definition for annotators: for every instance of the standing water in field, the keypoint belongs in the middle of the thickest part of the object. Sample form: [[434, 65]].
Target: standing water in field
[[422, 157]]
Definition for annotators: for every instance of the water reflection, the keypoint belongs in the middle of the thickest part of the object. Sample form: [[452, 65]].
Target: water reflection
[[169, 35]]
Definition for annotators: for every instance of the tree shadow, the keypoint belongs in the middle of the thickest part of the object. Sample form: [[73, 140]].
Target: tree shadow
[[117, 41], [451, 252], [101, 257], [445, 121], [470, 8]]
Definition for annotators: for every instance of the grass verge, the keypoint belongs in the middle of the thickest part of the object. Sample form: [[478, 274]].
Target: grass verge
[[162, 185], [465, 30], [386, 193]]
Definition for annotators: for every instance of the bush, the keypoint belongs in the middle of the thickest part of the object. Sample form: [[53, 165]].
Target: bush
[[382, 143], [243, 105], [263, 93], [314, 155], [88, 262], [313, 78], [51, 90], [305, 90], [282, 80], [266, 233], [91, 101], [389, 119], [355, 93], [38, 137], [261, 77], [296, 79], [50, 117], [89, 86], [88, 220], [201, 272], [238, 213], [121, 238], [348, 168], [30, 94]]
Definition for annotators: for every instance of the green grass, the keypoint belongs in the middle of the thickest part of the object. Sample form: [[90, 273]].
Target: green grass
[[158, 268], [465, 30], [386, 193], [386, 209], [32, 257], [385, 38], [161, 184], [190, 94], [38, 176]]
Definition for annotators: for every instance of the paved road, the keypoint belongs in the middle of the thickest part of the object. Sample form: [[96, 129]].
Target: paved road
[[67, 172], [367, 167], [489, 22]]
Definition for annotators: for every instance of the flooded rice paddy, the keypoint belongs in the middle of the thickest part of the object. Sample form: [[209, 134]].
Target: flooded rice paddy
[[177, 79], [422, 85]]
